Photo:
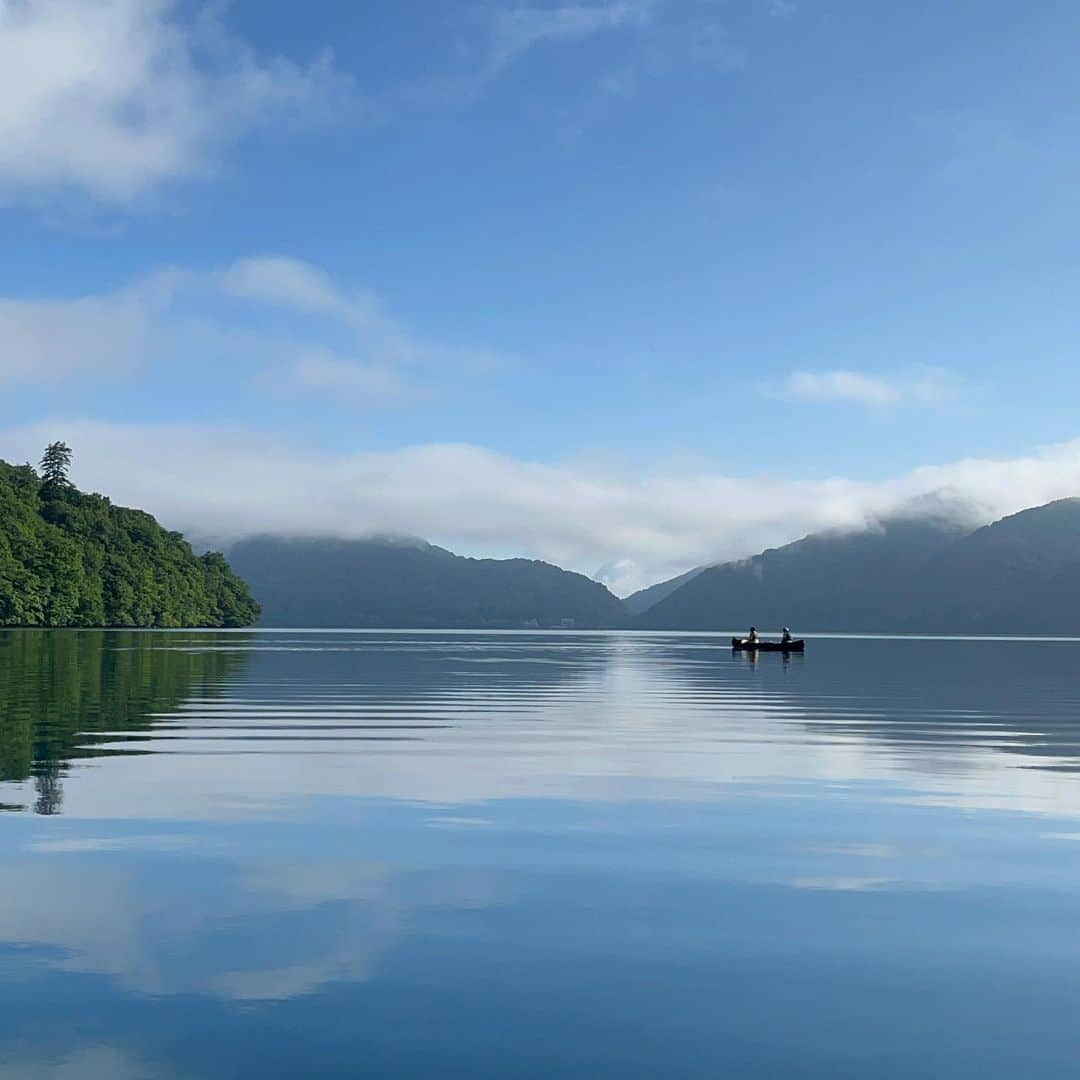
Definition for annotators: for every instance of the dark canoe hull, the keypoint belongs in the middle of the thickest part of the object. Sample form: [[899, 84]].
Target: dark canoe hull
[[768, 646]]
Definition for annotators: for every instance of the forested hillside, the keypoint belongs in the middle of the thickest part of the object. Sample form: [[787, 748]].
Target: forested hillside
[[408, 583], [72, 559], [1020, 575]]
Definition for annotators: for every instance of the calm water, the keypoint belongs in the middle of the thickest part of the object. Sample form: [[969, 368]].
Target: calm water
[[536, 855]]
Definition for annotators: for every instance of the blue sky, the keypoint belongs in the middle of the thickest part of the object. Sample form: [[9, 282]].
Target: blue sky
[[627, 284]]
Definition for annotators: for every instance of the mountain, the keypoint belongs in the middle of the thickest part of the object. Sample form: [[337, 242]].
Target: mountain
[[1019, 575], [646, 598], [385, 582], [72, 559], [827, 581]]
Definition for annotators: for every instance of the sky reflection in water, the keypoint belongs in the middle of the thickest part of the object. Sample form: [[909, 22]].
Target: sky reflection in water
[[522, 854]]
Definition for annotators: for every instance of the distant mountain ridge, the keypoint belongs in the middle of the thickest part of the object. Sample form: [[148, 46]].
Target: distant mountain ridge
[[918, 573], [408, 583]]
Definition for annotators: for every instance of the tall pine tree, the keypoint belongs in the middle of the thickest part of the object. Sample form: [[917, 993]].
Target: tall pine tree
[[55, 463]]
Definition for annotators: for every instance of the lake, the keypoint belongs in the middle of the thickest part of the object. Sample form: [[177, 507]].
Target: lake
[[536, 855]]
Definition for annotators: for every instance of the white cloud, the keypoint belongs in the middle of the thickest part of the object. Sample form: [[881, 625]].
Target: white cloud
[[290, 283], [278, 279], [114, 97], [223, 484], [922, 385], [842, 386], [780, 9], [334, 339], [353, 380], [48, 340], [44, 340], [665, 36], [515, 31], [648, 38]]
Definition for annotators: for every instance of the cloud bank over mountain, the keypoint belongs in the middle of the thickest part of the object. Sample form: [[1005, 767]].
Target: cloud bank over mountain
[[628, 528]]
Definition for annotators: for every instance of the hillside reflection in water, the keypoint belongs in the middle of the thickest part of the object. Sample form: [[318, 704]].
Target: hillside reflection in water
[[536, 854]]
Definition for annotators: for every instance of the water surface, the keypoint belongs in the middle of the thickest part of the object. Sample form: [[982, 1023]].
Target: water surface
[[529, 855]]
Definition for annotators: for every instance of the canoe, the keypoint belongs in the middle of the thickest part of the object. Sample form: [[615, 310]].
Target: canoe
[[798, 645]]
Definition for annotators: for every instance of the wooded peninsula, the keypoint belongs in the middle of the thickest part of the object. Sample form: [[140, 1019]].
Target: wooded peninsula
[[71, 559]]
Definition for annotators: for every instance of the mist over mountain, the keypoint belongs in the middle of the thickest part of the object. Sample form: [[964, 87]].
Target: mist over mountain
[[393, 582]]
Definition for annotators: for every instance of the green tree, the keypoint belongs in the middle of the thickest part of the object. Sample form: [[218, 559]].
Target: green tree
[[55, 463]]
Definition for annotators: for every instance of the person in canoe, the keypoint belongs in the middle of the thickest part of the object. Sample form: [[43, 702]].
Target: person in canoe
[[785, 637], [752, 638]]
